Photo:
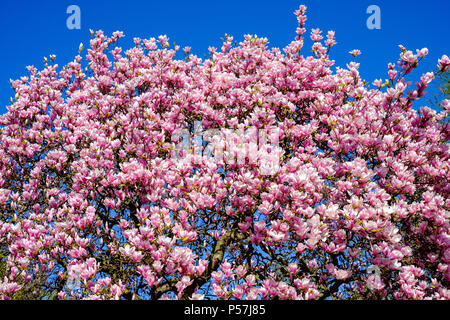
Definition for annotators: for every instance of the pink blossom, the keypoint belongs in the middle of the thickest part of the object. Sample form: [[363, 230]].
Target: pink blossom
[[374, 282], [355, 52], [444, 63], [254, 173], [342, 274], [131, 252], [197, 296], [292, 267], [183, 283]]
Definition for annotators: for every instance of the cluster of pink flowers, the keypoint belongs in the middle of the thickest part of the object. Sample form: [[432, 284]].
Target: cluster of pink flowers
[[95, 203]]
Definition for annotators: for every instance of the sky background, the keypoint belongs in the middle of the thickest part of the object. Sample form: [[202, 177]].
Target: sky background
[[31, 30]]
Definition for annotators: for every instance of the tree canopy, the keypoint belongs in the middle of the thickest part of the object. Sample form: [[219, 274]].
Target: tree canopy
[[256, 173]]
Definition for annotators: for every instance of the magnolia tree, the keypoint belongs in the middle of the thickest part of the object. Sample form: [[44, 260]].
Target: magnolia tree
[[254, 174]]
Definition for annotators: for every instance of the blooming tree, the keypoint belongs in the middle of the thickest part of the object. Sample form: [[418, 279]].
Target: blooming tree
[[100, 198]]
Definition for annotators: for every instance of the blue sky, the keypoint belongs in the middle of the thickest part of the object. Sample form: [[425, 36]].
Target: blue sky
[[31, 30]]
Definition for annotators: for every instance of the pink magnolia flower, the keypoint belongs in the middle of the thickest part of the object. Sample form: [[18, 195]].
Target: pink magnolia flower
[[374, 282], [183, 283], [197, 296], [130, 252], [342, 274], [355, 52], [444, 63], [292, 268]]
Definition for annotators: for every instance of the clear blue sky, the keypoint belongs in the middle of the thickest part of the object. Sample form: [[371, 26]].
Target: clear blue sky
[[31, 30]]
